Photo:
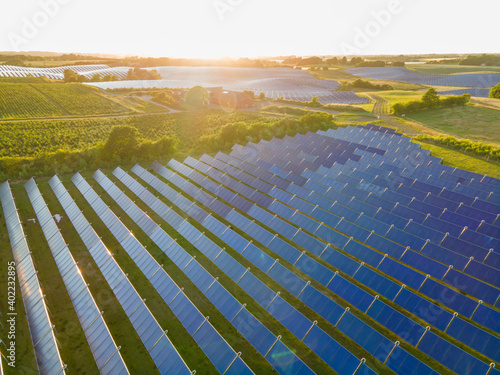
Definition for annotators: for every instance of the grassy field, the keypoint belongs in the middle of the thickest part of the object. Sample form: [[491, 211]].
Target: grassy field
[[451, 69], [471, 122], [399, 96], [461, 160]]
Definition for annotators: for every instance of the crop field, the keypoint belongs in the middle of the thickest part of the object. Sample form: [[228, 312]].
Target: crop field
[[37, 100], [315, 254], [19, 100], [30, 138]]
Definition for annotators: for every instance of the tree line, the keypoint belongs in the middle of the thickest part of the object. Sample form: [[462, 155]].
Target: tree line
[[430, 100]]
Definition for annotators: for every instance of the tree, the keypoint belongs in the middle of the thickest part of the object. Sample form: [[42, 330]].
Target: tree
[[122, 142], [196, 97], [431, 97], [315, 102], [343, 61], [70, 76], [262, 96], [332, 61], [495, 92]]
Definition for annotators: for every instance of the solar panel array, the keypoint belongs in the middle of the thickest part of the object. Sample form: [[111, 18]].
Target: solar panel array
[[264, 163], [364, 249], [407, 75], [58, 72], [224, 358], [154, 338], [304, 329], [40, 326], [291, 84], [106, 353], [480, 93]]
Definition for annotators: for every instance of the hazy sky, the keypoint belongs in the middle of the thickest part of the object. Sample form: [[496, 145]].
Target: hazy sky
[[214, 28]]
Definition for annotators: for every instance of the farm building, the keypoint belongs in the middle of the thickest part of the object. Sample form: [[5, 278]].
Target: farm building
[[230, 99]]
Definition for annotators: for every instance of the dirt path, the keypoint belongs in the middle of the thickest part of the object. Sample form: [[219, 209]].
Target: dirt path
[[84, 117], [381, 109]]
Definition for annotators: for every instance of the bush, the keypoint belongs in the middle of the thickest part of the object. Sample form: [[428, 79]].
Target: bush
[[483, 150], [240, 132], [495, 92], [430, 100], [371, 64]]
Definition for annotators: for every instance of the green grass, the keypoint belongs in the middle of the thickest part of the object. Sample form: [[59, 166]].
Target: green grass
[[458, 159], [452, 69], [471, 122], [400, 96]]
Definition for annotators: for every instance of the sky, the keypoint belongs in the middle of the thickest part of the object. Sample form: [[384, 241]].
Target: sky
[[250, 28]]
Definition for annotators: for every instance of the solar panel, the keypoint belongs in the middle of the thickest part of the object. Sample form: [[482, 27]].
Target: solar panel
[[99, 338], [43, 338], [201, 278]]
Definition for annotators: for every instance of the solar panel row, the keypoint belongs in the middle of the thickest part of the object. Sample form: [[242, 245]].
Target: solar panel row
[[259, 336], [340, 240], [224, 358], [360, 299], [154, 338], [296, 322], [40, 326], [106, 353], [301, 289]]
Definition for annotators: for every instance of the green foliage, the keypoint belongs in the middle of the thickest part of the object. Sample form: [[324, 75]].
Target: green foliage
[[332, 61], [359, 83], [475, 148], [285, 110], [431, 97], [371, 64], [484, 59], [430, 100], [400, 64], [314, 60], [122, 141], [249, 93], [39, 147], [165, 97], [142, 74], [196, 97], [241, 132], [495, 91], [330, 106], [314, 102], [262, 96]]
